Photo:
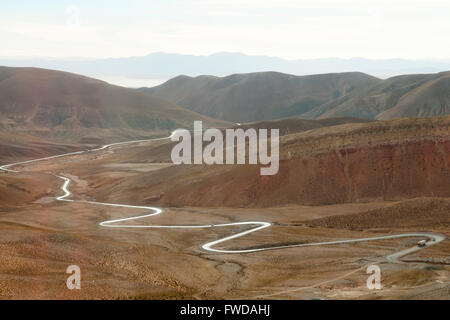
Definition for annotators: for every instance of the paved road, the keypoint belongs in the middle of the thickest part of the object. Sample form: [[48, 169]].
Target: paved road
[[8, 166], [259, 225], [431, 238]]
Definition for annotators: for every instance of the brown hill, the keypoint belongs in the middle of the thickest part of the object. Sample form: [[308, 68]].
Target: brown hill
[[258, 96], [415, 214], [268, 96], [397, 97], [17, 147], [66, 107], [293, 125], [356, 162], [430, 99]]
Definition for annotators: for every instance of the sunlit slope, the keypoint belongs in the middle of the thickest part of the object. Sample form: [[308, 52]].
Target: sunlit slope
[[66, 107]]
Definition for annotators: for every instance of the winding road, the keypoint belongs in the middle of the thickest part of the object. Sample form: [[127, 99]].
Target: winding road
[[431, 238]]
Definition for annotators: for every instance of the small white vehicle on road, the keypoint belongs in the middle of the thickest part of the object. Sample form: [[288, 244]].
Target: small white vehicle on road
[[422, 243]]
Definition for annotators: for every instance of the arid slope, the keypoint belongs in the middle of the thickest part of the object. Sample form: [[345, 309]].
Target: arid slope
[[65, 107], [258, 96], [422, 95], [383, 160], [269, 95]]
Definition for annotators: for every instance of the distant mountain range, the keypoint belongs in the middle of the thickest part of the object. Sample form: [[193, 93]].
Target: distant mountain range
[[163, 66], [272, 95]]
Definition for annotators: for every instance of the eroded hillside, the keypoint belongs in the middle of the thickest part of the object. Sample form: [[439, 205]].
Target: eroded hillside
[[383, 160]]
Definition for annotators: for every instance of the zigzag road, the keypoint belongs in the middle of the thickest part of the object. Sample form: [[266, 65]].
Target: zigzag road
[[431, 238]]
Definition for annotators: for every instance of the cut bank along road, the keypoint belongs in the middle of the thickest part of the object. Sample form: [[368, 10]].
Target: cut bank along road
[[210, 246]]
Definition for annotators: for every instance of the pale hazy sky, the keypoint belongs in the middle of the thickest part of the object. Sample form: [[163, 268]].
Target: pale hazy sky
[[284, 28]]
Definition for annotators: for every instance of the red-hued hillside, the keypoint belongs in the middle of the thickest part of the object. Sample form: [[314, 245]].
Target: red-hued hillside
[[382, 160]]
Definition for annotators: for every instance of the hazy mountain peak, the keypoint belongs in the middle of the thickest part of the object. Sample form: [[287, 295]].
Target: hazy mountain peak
[[163, 66]]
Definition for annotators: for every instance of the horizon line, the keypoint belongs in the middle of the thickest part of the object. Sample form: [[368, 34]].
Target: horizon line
[[222, 53]]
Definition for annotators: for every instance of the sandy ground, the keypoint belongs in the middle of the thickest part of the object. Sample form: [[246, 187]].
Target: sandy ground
[[41, 237]]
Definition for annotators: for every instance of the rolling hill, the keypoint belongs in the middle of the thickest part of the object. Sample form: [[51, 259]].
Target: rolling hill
[[270, 95], [45, 112], [426, 95], [65, 107], [258, 96]]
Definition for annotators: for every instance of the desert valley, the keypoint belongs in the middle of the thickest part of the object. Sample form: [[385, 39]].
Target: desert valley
[[364, 175]]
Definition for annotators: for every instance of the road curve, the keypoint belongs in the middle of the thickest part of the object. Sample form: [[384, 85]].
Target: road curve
[[7, 166], [257, 225], [433, 238]]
